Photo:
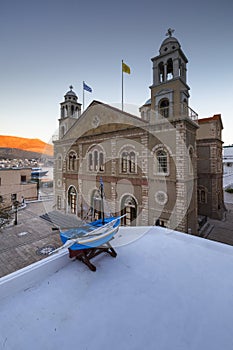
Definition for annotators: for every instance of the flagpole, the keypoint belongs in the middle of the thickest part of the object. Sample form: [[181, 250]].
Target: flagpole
[[122, 85], [83, 96]]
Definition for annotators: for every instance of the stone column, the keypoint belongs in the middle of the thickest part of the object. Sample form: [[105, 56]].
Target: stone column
[[145, 187], [181, 190], [176, 67], [165, 71], [113, 156], [145, 206]]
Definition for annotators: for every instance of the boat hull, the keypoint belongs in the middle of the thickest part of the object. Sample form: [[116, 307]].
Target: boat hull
[[86, 239]]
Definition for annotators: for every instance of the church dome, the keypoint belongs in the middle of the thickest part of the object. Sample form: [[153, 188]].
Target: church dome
[[168, 45], [71, 94]]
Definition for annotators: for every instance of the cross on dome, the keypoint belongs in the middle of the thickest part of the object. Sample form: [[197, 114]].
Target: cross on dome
[[71, 87]]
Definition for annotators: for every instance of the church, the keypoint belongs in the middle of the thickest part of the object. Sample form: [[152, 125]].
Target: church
[[163, 168]]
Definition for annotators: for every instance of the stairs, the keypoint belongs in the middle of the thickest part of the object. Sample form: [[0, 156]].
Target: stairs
[[61, 220], [205, 230]]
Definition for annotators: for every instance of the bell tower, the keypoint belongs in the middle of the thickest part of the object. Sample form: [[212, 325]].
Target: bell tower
[[173, 125], [70, 111], [170, 92]]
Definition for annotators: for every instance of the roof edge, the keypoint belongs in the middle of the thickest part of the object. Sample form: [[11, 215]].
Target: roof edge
[[210, 119]]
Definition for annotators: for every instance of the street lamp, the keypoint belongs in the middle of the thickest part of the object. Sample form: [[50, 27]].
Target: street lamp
[[16, 205]]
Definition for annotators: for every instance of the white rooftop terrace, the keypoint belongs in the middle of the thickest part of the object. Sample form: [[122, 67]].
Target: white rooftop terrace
[[166, 290]]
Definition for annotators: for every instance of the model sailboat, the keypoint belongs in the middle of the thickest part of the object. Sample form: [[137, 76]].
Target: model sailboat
[[91, 239]]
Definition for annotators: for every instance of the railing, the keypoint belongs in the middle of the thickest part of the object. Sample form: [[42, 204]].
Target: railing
[[184, 110], [190, 112]]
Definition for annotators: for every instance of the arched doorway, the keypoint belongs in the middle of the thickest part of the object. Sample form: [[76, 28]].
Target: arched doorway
[[72, 200], [128, 207]]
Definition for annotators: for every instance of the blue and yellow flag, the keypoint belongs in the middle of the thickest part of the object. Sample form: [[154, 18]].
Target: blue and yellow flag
[[125, 68]]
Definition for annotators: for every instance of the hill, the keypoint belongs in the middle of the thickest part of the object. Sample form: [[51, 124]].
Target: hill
[[26, 144]]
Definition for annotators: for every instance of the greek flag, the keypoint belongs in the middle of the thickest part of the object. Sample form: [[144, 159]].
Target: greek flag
[[86, 87], [101, 181]]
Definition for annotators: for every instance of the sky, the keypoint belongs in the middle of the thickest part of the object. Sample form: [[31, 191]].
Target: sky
[[48, 45]]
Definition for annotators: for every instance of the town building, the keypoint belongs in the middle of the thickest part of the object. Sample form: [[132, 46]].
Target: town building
[[210, 167], [16, 185], [148, 164], [228, 160]]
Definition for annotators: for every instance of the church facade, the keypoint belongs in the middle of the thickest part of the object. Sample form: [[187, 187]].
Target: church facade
[[149, 164]]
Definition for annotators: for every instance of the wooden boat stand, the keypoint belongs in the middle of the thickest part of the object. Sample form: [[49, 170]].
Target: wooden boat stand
[[85, 255]]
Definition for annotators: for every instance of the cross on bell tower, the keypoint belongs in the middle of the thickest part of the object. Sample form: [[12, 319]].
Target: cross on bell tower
[[170, 32]]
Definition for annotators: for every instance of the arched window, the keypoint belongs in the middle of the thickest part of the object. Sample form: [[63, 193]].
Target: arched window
[[164, 108], [128, 207], [202, 195], [96, 159], [124, 162], [161, 72], [72, 161], [162, 162], [128, 162], [132, 162], [101, 161], [90, 161], [72, 200], [169, 69]]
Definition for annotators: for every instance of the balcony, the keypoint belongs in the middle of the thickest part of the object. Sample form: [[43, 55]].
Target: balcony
[[183, 110], [189, 112]]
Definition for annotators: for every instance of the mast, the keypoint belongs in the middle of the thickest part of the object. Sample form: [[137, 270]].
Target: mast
[[102, 199]]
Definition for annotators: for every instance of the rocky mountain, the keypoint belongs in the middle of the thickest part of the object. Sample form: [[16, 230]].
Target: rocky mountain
[[20, 147]]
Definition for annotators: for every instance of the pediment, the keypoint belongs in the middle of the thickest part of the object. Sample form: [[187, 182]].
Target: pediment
[[102, 118]]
